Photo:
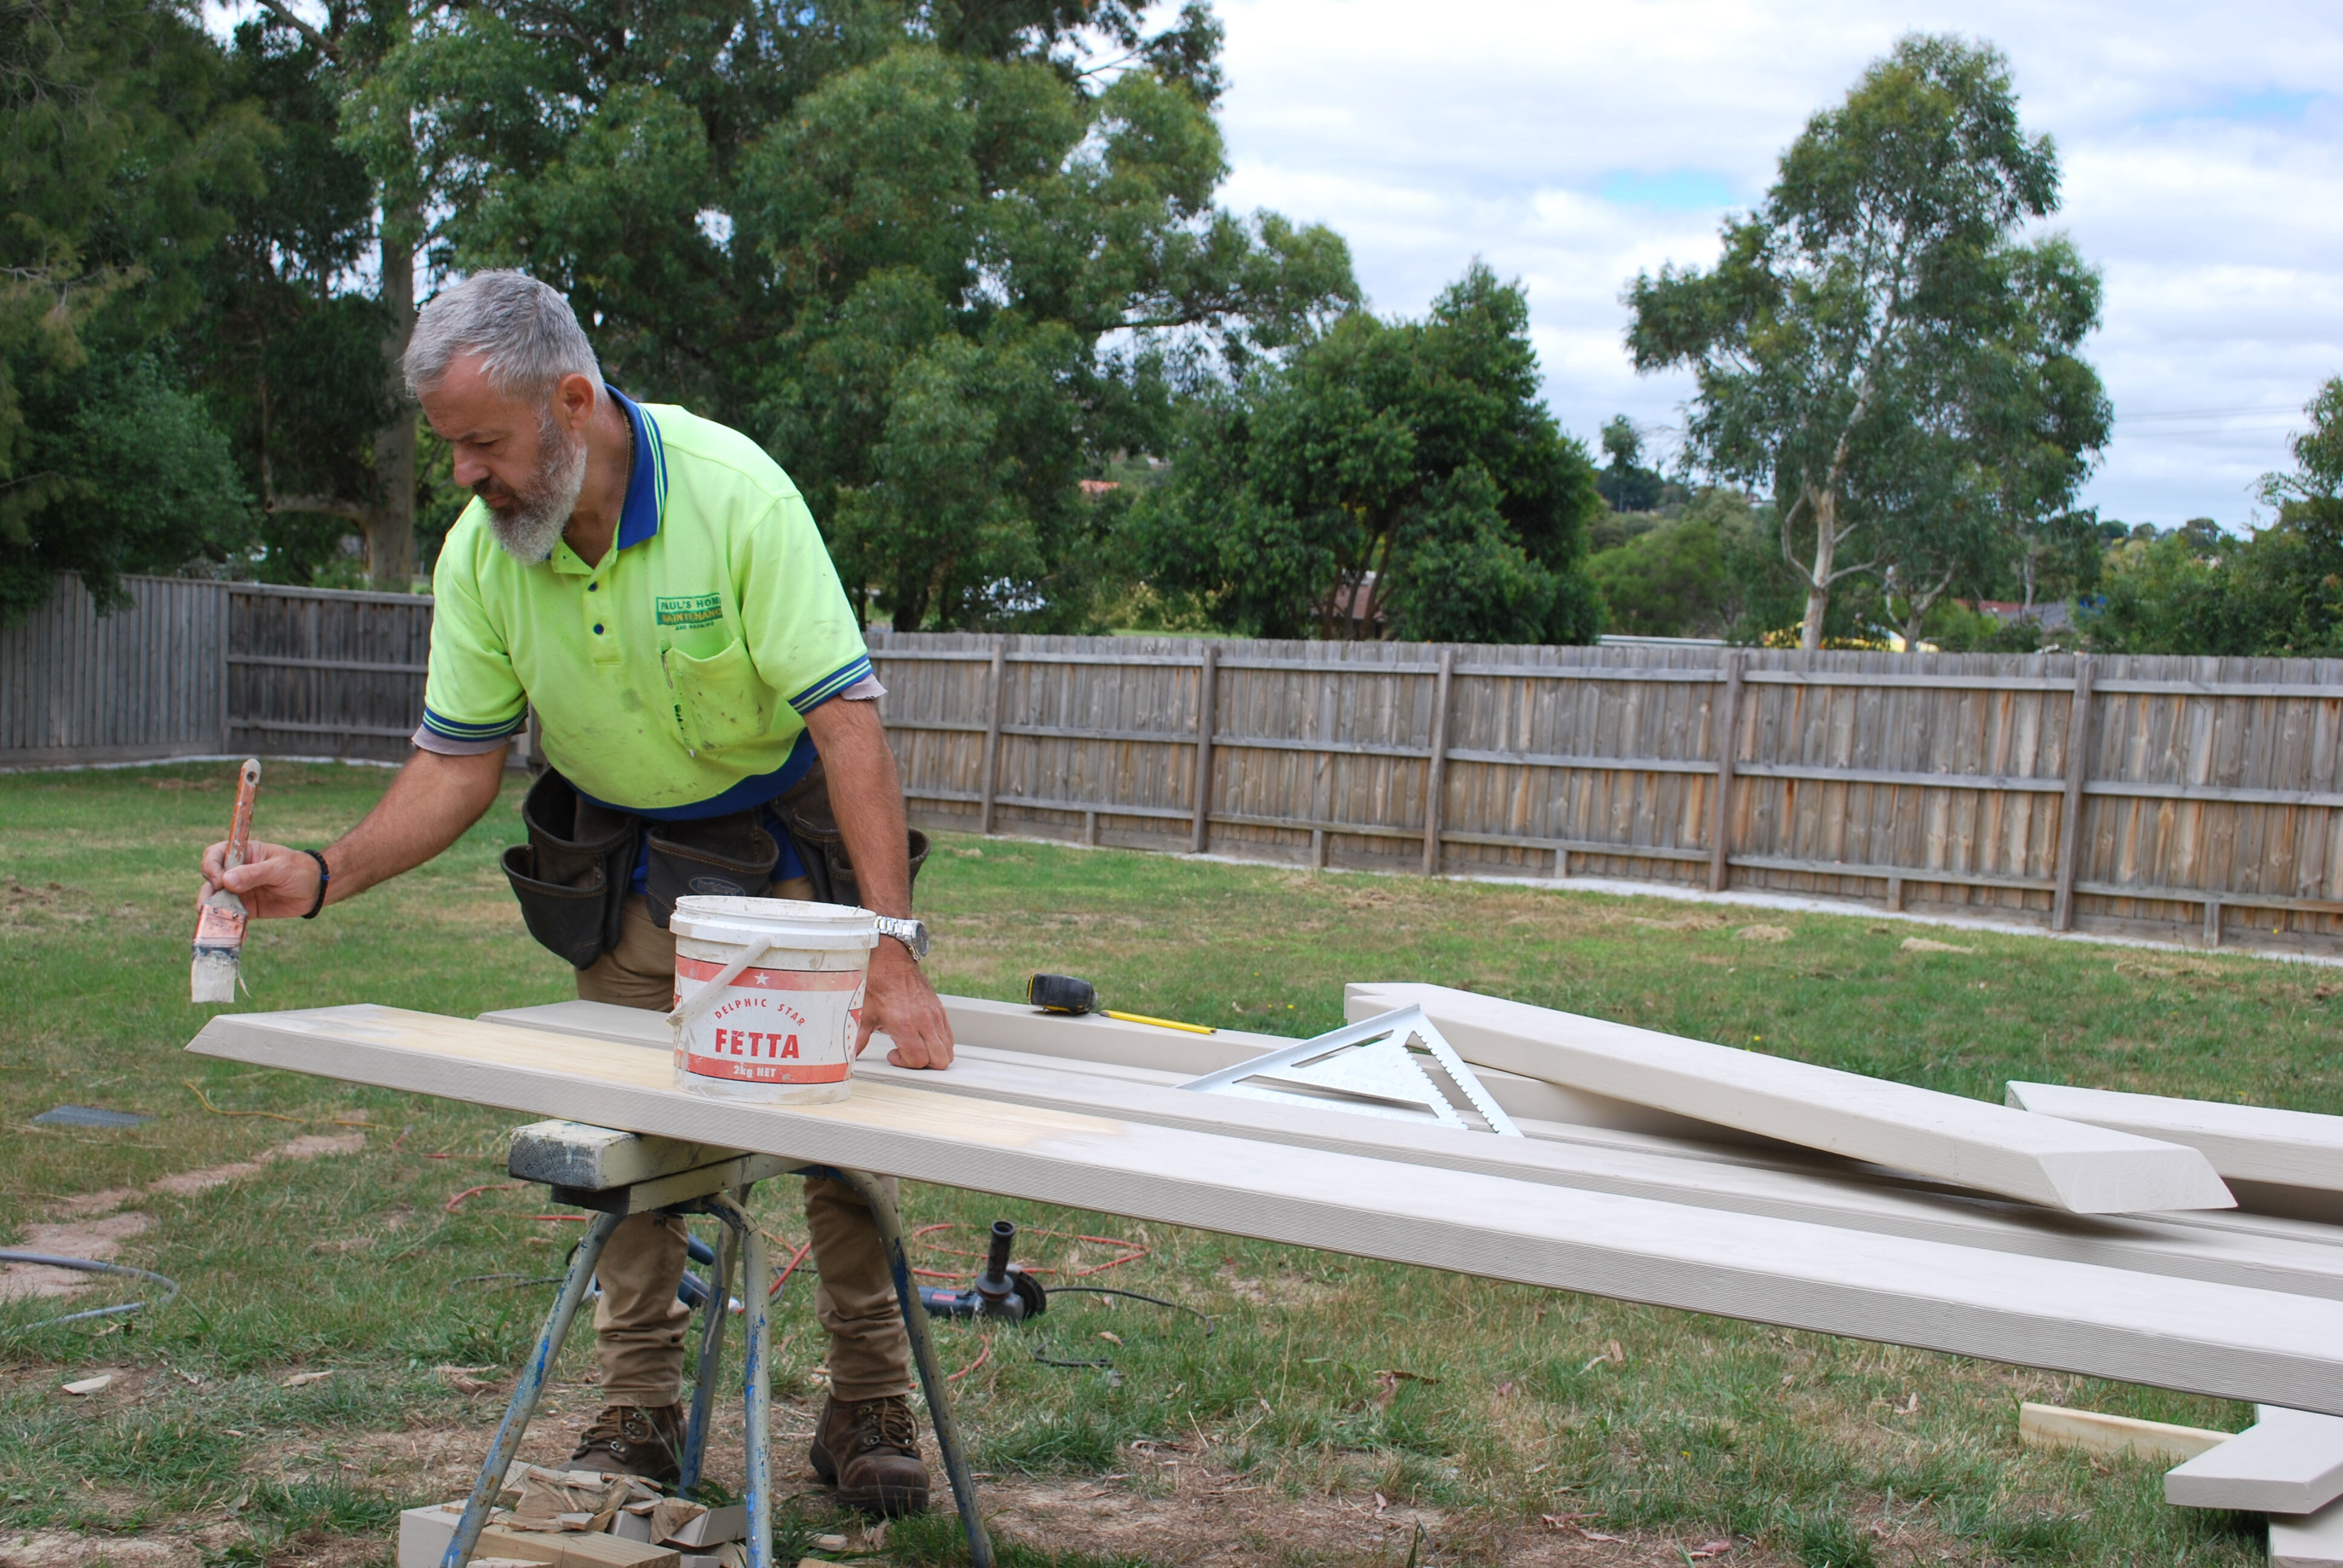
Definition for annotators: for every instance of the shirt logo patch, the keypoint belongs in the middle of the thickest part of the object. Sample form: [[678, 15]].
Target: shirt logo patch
[[690, 610]]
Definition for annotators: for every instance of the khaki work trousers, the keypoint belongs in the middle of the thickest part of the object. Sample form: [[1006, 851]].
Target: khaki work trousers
[[639, 1324]]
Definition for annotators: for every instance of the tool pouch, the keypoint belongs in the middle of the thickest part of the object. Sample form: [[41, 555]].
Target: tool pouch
[[572, 876], [806, 813], [722, 857]]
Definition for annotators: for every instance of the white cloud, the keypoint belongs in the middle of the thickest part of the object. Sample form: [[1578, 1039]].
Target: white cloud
[[1572, 145]]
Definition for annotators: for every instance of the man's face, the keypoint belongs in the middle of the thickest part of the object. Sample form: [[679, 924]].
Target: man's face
[[525, 461]]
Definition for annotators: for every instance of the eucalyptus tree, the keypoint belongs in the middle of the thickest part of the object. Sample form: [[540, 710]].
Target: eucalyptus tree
[[1842, 344]]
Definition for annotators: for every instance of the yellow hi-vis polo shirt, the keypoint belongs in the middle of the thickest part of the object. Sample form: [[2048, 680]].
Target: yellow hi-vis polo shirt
[[672, 677]]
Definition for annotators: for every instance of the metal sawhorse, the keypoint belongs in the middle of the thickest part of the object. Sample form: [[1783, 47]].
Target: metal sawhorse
[[622, 1173]]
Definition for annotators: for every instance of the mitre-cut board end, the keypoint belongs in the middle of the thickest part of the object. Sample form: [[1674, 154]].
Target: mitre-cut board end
[[2288, 1462], [2248, 1143]]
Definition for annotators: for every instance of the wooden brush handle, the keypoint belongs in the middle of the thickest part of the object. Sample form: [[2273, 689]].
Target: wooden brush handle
[[239, 826]]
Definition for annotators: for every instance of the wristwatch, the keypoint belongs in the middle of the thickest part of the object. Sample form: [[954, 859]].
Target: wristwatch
[[912, 934]]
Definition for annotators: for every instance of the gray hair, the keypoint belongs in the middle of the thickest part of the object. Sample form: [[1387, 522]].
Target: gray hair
[[527, 335]]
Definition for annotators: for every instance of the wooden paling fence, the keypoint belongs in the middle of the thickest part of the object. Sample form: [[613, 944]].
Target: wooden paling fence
[[146, 681], [195, 669], [2188, 797], [313, 672]]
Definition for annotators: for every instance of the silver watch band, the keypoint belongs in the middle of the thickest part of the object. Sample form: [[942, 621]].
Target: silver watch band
[[912, 934]]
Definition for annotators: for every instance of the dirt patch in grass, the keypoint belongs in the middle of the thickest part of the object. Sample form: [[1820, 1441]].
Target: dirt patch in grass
[[188, 1183], [1693, 922], [317, 1549], [68, 1549], [1199, 1517], [97, 1240]]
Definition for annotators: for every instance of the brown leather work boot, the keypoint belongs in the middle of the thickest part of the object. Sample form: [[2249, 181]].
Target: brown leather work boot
[[869, 1451], [634, 1440]]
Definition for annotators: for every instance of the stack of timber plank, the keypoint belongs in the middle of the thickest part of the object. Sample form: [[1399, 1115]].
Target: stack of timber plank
[[2066, 1229]]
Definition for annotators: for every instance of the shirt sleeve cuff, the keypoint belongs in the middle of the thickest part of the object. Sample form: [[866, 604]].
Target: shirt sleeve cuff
[[462, 730], [426, 739], [837, 683]]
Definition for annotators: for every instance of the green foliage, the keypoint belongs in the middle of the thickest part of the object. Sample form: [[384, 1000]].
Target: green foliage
[[1878, 348], [2278, 593], [124, 147], [938, 265], [1390, 478], [142, 480], [288, 347], [1688, 575], [1626, 485]]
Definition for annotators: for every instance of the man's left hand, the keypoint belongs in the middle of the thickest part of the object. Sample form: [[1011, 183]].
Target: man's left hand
[[899, 1001]]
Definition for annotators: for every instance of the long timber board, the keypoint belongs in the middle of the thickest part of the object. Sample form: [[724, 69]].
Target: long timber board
[[1971, 1143], [2255, 1143], [1816, 1190], [2226, 1340]]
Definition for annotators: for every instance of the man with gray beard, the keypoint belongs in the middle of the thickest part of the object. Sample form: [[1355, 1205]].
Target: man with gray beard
[[652, 585]]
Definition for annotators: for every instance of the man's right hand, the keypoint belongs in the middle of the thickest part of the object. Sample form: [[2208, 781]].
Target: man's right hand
[[274, 882], [427, 808]]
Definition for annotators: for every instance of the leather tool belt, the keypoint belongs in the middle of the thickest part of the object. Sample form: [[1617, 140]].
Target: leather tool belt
[[573, 876]]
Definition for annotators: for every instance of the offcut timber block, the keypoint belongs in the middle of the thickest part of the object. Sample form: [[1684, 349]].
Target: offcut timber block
[[1989, 1148], [2255, 1143], [2288, 1462], [2055, 1426], [702, 1532], [2311, 1541], [2194, 1335], [424, 1535]]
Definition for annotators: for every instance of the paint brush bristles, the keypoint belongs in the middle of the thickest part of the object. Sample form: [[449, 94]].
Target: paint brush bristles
[[220, 917]]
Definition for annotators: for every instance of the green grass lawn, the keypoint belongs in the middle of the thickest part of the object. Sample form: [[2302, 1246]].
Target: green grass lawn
[[1514, 1404]]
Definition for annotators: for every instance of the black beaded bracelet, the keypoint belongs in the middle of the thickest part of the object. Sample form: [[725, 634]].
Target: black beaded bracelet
[[325, 876]]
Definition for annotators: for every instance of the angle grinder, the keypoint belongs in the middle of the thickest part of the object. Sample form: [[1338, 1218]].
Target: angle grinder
[[1003, 1291]]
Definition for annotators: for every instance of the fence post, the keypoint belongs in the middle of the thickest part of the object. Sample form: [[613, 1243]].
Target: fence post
[[1207, 694], [2070, 818], [1435, 776], [227, 612], [1728, 741], [992, 736]]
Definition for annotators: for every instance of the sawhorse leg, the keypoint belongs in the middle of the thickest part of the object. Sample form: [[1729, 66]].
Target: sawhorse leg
[[712, 1353], [923, 1356], [756, 1294], [523, 1407]]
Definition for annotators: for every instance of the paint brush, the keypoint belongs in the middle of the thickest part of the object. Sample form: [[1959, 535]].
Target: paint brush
[[220, 917]]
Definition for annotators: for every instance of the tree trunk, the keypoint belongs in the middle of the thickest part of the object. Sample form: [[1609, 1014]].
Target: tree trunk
[[390, 521], [1818, 581]]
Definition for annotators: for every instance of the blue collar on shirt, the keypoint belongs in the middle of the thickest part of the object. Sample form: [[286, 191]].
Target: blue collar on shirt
[[646, 502]]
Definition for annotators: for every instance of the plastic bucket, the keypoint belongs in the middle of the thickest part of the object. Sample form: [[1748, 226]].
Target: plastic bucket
[[768, 997]]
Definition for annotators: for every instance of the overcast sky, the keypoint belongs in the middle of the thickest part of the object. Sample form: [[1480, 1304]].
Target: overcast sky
[[1572, 145]]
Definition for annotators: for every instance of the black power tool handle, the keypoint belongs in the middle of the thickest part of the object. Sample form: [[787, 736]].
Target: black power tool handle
[[994, 1284]]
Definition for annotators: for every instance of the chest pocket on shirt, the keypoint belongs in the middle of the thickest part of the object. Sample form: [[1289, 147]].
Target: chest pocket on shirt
[[719, 699]]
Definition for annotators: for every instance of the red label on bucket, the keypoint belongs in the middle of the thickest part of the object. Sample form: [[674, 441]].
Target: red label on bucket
[[774, 1026]]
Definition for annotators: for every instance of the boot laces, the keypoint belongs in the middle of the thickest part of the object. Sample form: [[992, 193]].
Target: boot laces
[[886, 1423], [612, 1427]]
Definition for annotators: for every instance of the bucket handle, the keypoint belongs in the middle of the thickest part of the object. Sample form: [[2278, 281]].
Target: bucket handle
[[703, 999]]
